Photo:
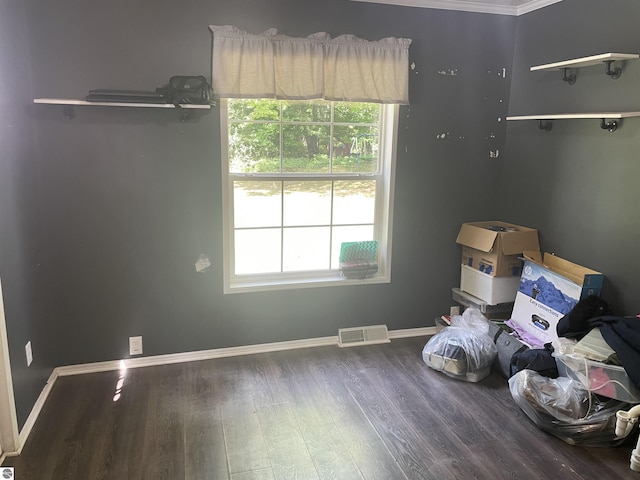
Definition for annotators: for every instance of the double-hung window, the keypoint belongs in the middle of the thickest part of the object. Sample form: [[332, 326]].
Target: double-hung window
[[301, 178], [308, 140]]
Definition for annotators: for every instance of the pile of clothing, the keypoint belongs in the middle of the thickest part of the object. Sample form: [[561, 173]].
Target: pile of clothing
[[564, 406]]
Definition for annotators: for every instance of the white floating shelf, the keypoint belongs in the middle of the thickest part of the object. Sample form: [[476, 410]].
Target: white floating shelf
[[608, 120], [69, 104], [586, 61], [72, 102], [562, 116]]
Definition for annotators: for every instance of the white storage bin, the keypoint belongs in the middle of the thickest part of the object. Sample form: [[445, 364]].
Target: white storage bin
[[493, 290], [607, 380]]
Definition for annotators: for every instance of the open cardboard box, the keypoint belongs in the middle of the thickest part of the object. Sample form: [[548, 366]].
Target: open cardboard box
[[590, 280], [550, 287], [495, 247]]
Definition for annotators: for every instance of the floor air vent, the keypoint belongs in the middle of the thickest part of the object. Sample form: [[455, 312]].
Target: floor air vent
[[349, 337]]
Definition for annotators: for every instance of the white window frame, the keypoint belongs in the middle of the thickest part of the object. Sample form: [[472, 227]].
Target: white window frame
[[383, 221]]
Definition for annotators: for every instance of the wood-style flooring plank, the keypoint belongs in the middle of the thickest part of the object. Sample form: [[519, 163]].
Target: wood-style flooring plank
[[204, 446], [398, 434], [362, 441], [287, 449], [204, 441], [266, 474], [126, 416], [246, 447], [163, 448], [328, 451]]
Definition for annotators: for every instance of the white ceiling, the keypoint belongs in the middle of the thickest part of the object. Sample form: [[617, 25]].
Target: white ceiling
[[500, 7]]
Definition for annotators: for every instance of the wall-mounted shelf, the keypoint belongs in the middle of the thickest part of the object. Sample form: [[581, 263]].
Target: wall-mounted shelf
[[545, 121], [604, 58], [69, 104]]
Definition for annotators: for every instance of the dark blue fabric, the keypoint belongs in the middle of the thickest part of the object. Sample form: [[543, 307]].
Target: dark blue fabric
[[539, 360], [623, 335]]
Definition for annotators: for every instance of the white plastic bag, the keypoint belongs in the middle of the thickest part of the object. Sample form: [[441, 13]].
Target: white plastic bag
[[462, 350], [473, 320]]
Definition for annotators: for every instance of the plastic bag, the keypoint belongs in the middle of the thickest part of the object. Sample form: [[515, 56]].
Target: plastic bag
[[462, 350], [565, 409], [472, 319]]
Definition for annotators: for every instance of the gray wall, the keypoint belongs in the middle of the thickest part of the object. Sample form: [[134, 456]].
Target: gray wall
[[21, 258], [128, 198], [578, 184]]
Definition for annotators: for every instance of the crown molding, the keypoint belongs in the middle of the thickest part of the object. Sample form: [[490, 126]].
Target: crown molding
[[535, 5], [471, 6]]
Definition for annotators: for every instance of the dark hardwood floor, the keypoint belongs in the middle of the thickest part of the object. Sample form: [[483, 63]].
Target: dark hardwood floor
[[368, 412]]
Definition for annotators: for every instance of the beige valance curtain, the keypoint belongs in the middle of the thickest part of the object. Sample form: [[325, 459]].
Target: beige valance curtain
[[271, 65]]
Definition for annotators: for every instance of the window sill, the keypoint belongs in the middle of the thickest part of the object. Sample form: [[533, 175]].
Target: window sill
[[291, 284]]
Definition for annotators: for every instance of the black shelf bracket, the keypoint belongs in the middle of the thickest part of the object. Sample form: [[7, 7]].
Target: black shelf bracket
[[69, 112], [545, 125], [183, 113], [570, 78], [612, 126], [612, 72]]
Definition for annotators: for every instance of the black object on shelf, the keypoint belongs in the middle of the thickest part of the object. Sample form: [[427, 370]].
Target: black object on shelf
[[126, 96]]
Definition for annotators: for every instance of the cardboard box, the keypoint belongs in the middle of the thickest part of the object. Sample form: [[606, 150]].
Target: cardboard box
[[495, 247], [549, 289], [493, 290]]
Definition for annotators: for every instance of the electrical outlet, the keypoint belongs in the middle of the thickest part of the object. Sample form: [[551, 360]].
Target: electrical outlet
[[135, 345], [454, 310], [29, 352]]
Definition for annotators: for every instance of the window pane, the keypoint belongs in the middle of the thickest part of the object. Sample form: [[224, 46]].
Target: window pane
[[355, 149], [348, 234], [257, 251], [305, 148], [345, 112], [354, 201], [257, 204], [319, 111], [254, 147], [255, 109], [306, 248], [307, 203]]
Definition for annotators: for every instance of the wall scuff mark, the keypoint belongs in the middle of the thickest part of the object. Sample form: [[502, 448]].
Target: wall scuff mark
[[203, 263]]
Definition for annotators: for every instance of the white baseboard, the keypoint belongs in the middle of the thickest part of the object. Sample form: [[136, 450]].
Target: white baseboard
[[194, 356], [413, 332], [221, 353], [33, 415], [186, 357]]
